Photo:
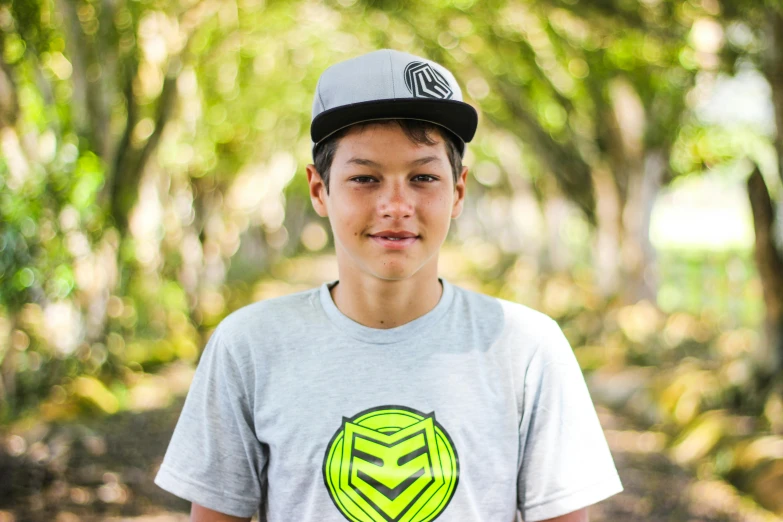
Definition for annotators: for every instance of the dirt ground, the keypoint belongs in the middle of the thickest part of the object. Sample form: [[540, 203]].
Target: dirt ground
[[103, 471]]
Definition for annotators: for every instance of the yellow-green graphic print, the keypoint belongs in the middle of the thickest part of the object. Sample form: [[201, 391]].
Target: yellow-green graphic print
[[391, 464]]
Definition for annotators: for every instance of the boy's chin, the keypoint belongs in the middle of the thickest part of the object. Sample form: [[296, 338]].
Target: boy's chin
[[393, 272], [394, 275]]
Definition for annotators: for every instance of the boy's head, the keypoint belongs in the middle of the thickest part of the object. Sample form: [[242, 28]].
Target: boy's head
[[389, 132]]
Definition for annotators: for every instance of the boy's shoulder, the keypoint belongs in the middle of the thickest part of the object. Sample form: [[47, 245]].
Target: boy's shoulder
[[525, 330], [515, 315], [272, 313]]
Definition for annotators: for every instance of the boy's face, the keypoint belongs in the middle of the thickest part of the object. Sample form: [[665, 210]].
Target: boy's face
[[381, 181]]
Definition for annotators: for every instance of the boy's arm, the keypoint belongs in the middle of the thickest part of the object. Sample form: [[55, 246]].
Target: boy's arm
[[201, 514], [575, 516]]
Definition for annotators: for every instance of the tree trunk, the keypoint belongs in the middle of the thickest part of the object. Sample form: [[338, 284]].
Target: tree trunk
[[638, 253], [8, 363], [769, 258], [90, 113], [626, 188], [9, 104], [770, 266], [606, 245]]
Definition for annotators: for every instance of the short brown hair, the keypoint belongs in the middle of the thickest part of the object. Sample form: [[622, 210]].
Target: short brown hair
[[416, 130]]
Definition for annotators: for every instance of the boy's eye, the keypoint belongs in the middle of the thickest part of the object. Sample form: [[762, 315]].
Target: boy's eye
[[362, 179], [431, 178]]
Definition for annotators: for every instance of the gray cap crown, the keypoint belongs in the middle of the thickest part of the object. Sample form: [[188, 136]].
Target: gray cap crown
[[388, 84]]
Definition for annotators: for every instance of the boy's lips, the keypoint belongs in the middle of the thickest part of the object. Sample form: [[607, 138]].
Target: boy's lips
[[401, 242], [394, 233]]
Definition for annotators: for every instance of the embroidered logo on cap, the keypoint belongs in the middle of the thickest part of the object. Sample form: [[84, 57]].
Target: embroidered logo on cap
[[423, 81]]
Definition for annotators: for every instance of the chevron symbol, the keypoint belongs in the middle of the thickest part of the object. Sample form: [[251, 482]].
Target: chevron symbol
[[390, 472], [423, 81]]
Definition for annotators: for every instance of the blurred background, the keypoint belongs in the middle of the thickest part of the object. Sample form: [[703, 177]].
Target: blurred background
[[625, 180]]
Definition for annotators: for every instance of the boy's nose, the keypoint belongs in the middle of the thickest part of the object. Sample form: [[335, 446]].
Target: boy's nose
[[396, 200]]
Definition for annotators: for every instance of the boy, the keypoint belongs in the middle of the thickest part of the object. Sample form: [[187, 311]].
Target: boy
[[388, 394]]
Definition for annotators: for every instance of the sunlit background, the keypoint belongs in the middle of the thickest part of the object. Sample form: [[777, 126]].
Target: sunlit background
[[624, 179]]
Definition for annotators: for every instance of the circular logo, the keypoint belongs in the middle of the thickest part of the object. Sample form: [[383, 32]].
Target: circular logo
[[392, 464], [423, 81]]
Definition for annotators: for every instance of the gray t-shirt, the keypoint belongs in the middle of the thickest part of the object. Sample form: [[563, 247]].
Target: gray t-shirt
[[468, 413]]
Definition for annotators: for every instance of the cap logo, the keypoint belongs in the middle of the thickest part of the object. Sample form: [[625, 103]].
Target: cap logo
[[423, 81]]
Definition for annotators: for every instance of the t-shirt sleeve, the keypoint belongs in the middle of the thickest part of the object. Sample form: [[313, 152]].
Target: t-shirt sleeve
[[565, 463], [214, 458]]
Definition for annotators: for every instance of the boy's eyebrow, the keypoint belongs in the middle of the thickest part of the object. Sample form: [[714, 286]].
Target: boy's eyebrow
[[414, 163]]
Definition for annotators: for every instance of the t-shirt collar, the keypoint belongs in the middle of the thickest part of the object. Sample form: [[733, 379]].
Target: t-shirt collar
[[379, 335]]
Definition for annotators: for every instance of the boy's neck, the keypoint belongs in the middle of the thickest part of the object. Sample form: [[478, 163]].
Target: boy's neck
[[385, 304]]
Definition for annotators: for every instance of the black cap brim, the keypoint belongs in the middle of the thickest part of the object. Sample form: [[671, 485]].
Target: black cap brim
[[456, 116]]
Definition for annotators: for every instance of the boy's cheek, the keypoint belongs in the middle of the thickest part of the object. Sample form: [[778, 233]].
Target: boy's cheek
[[345, 228]]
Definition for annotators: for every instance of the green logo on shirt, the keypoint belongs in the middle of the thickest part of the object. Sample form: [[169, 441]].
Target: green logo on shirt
[[391, 464]]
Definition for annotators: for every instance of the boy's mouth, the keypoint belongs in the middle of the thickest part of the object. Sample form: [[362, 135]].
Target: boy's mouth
[[395, 239], [395, 235]]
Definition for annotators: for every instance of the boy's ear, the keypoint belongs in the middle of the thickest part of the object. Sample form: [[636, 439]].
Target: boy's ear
[[318, 193], [459, 193]]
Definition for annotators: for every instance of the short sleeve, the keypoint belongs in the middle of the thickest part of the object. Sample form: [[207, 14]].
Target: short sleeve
[[214, 458], [564, 462]]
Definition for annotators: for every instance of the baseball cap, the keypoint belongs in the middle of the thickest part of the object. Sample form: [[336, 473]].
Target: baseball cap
[[389, 84]]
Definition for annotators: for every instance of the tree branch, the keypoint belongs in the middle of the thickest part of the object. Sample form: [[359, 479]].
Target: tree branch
[[572, 172], [129, 167]]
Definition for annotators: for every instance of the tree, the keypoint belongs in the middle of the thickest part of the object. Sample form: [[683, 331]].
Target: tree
[[755, 33]]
